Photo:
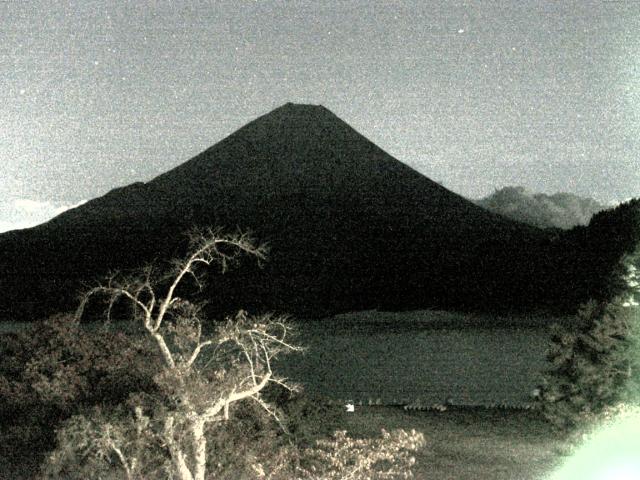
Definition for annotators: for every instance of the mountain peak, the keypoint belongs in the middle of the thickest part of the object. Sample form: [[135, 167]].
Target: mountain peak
[[301, 106], [293, 149], [297, 111]]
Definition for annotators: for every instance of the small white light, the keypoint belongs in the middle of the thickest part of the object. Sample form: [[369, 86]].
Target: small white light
[[350, 407]]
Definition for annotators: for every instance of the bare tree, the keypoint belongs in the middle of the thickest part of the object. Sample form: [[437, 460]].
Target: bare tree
[[201, 376]]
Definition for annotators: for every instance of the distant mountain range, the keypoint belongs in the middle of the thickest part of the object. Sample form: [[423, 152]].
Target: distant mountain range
[[349, 228], [560, 210]]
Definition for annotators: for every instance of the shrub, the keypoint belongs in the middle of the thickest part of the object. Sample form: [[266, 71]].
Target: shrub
[[94, 444], [56, 368], [388, 457], [306, 417]]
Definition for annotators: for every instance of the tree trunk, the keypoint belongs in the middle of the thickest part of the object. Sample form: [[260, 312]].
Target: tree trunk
[[177, 455], [199, 449], [180, 464]]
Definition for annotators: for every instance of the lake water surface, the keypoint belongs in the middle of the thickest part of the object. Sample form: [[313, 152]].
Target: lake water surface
[[368, 363]]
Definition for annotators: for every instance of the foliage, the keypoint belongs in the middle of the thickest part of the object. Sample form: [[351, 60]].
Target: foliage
[[94, 445], [306, 417], [55, 368], [249, 445], [595, 361], [592, 362], [341, 457], [592, 263], [252, 443]]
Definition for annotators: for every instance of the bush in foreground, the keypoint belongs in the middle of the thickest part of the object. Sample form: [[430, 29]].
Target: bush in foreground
[[378, 458], [54, 369]]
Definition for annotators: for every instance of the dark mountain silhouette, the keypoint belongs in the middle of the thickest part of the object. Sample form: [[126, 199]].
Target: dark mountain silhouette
[[349, 228], [560, 210]]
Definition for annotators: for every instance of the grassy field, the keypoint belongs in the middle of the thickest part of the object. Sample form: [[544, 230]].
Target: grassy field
[[470, 443]]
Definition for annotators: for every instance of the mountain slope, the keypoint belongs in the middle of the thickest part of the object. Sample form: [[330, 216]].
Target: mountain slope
[[349, 228]]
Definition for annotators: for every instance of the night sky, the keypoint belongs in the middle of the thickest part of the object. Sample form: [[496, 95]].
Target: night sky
[[476, 95]]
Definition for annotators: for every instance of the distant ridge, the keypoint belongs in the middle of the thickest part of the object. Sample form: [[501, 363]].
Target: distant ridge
[[349, 227], [560, 210]]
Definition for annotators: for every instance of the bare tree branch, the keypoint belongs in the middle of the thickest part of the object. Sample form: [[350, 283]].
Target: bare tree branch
[[241, 344], [197, 351]]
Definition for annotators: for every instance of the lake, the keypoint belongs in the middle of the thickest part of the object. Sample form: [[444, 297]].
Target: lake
[[370, 362]]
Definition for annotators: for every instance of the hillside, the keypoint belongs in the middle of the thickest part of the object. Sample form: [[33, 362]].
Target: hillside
[[349, 228], [560, 210]]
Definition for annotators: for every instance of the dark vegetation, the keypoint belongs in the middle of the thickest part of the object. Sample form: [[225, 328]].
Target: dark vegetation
[[591, 366], [560, 210], [349, 227], [590, 263], [594, 363], [57, 369]]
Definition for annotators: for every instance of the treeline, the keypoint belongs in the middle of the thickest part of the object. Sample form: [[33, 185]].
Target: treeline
[[591, 262], [557, 273]]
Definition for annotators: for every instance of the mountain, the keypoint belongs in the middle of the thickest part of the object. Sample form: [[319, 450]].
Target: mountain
[[349, 228], [560, 210]]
